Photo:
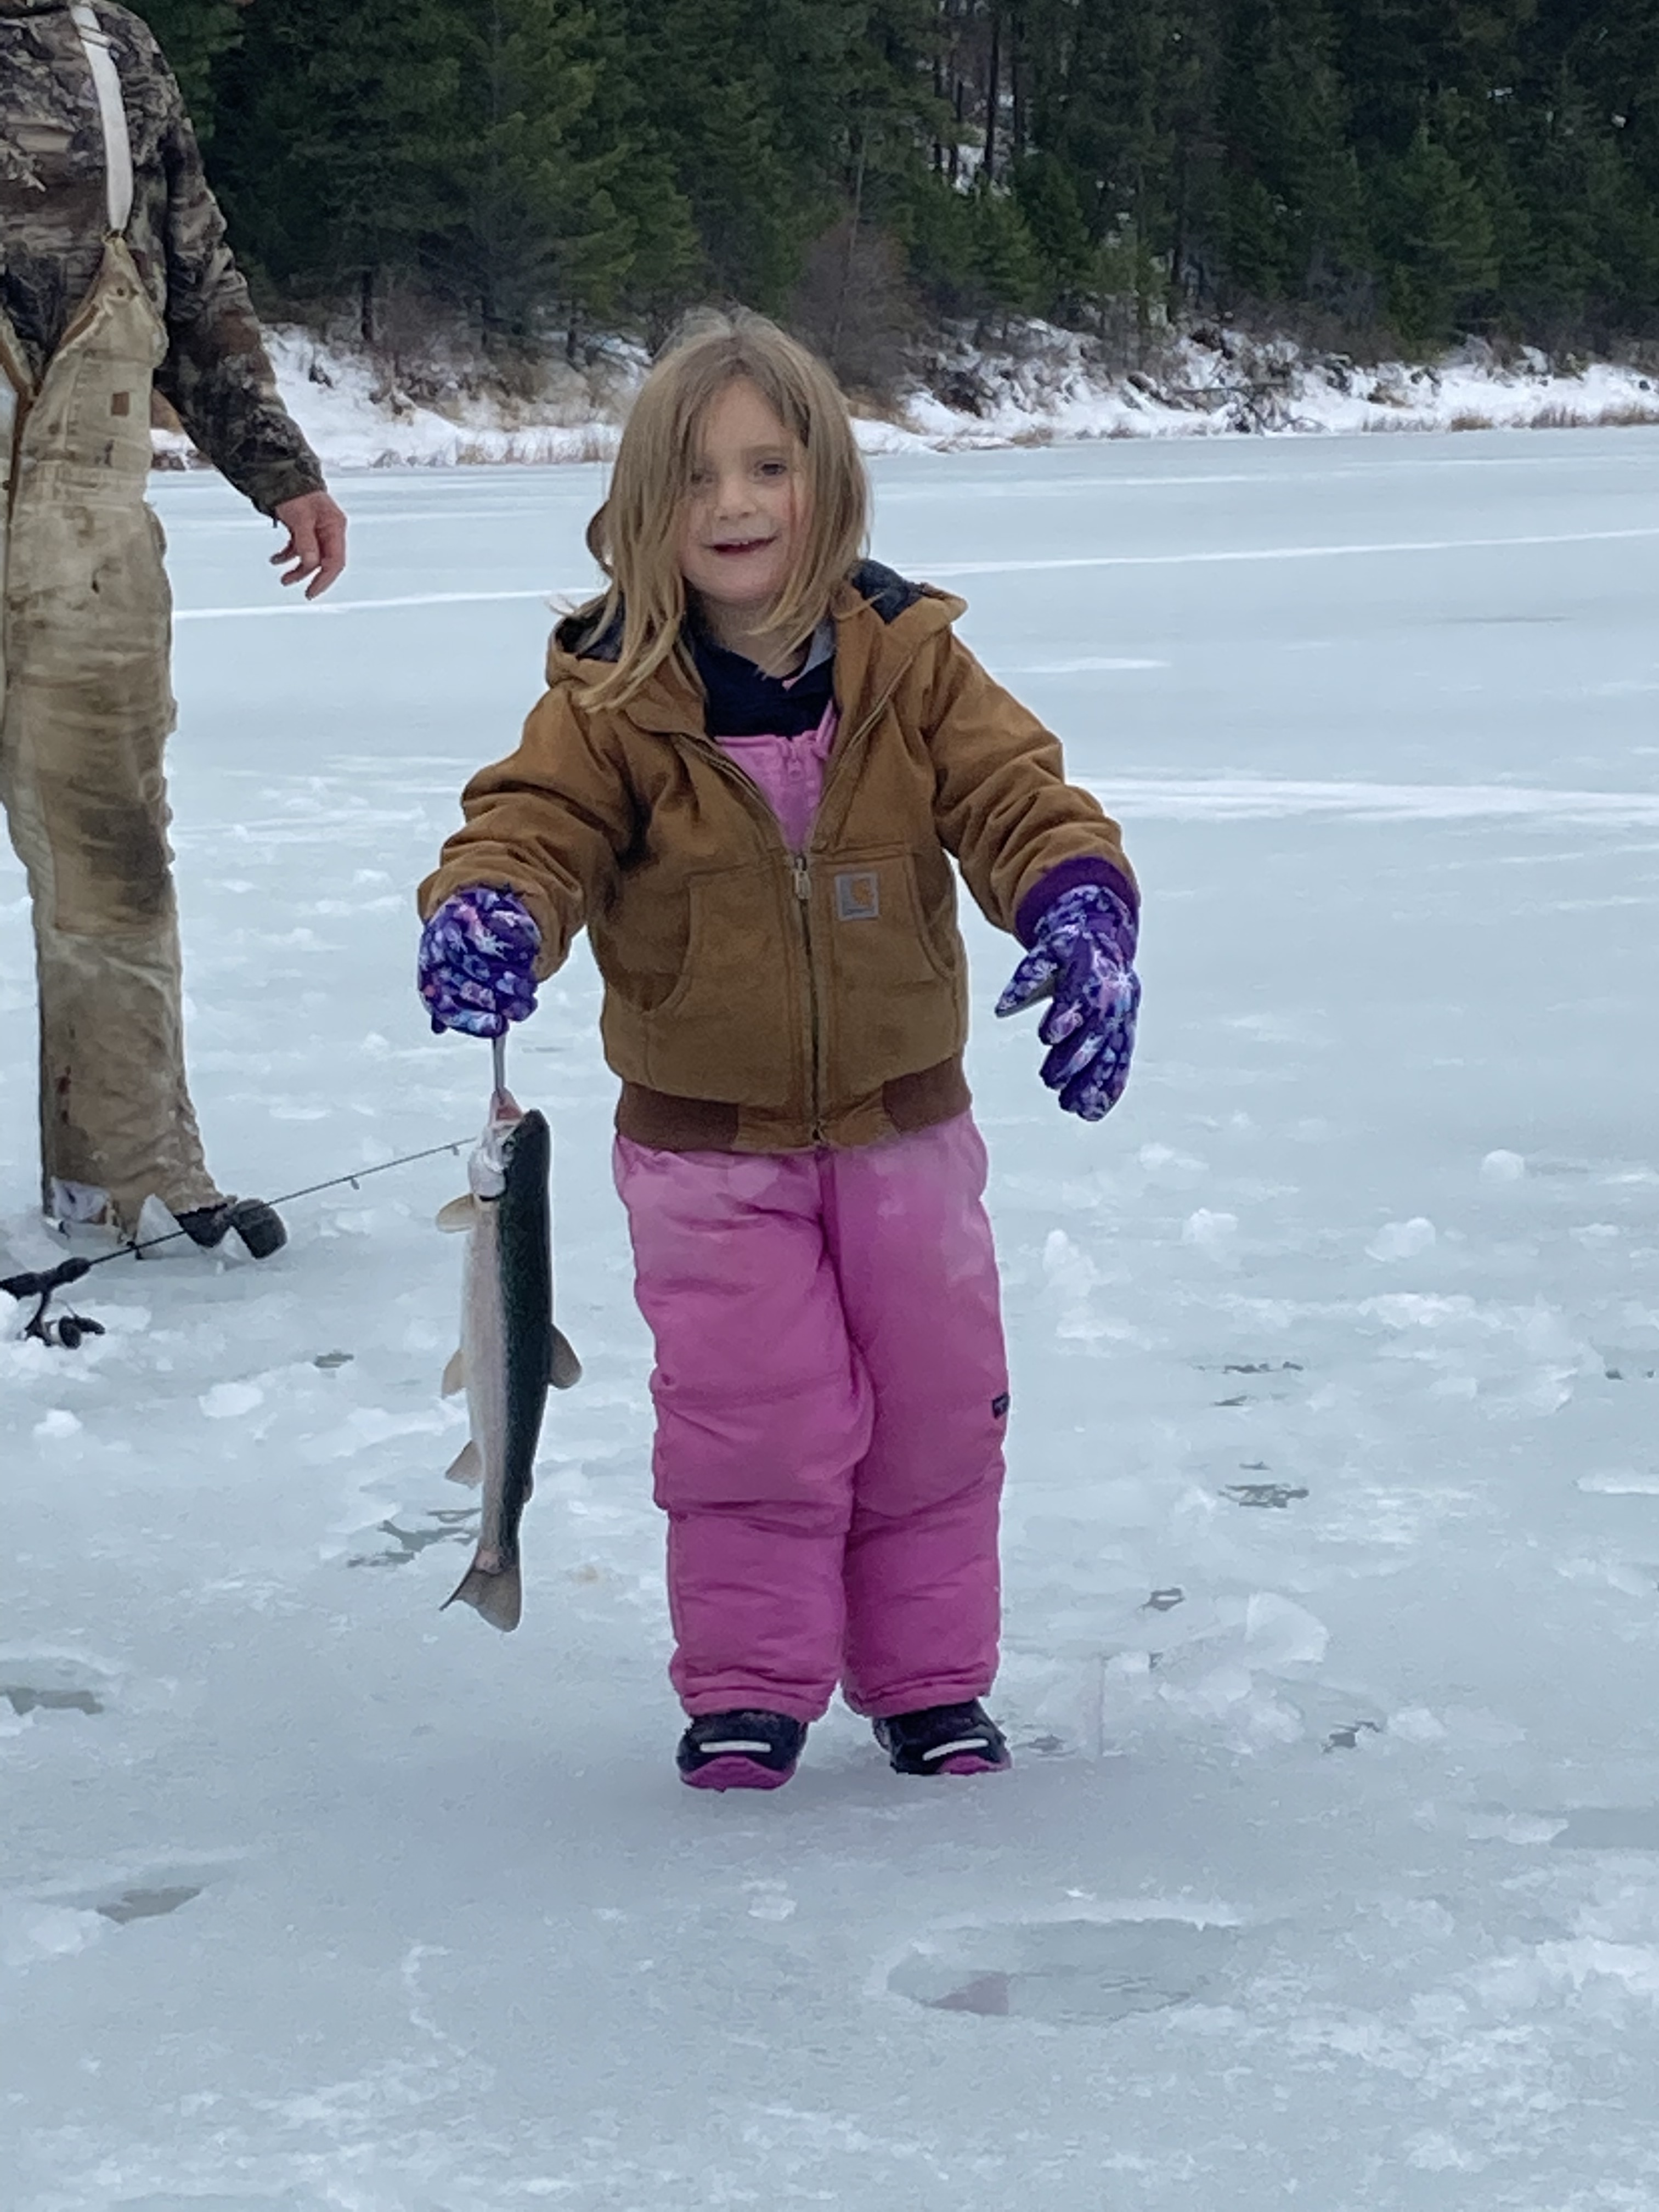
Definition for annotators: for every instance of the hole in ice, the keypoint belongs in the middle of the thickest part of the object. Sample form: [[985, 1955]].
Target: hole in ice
[[44, 1682], [1610, 1828], [1346, 1738], [1263, 1367], [1276, 1496], [1628, 1366], [1165, 1601], [1062, 1971], [145, 1903], [28, 1698], [333, 1359]]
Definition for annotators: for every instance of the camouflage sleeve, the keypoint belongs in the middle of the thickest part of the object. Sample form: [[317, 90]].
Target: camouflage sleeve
[[217, 374]]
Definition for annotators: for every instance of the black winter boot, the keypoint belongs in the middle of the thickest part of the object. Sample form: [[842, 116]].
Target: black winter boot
[[740, 1751], [944, 1740]]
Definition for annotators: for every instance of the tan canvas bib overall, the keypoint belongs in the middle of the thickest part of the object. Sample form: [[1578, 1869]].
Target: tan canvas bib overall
[[86, 706]]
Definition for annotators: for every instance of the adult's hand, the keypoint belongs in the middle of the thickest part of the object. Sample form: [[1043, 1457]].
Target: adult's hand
[[316, 545]]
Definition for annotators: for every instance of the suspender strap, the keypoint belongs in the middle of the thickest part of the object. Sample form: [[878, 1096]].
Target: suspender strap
[[118, 145]]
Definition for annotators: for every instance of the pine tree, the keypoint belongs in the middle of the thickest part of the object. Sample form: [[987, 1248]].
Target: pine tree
[[734, 94], [192, 34], [1293, 218], [545, 164], [343, 168], [567, 209], [1437, 239]]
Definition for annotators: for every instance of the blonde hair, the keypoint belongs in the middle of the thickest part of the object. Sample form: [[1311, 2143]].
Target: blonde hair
[[634, 537]]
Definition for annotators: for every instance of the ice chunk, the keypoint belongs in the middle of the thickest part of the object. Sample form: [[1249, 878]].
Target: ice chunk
[[1279, 1633], [1212, 1233], [227, 1402], [1403, 1240]]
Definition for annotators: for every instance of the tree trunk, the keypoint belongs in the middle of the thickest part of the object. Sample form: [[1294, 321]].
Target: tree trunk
[[1017, 83], [992, 98]]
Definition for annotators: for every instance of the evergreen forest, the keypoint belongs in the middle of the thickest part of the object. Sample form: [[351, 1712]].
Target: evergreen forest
[[1359, 171]]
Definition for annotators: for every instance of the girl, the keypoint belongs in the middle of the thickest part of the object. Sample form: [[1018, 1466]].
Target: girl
[[757, 756]]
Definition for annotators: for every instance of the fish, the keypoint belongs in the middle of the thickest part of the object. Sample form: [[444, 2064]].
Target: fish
[[512, 1352]]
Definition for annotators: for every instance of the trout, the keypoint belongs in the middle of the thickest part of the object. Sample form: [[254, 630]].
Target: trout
[[511, 1351]]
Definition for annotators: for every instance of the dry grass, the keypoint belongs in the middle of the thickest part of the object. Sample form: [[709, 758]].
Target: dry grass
[[554, 449], [866, 406], [1623, 415]]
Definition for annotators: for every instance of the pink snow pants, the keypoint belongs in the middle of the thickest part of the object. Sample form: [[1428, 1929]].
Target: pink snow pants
[[831, 1389]]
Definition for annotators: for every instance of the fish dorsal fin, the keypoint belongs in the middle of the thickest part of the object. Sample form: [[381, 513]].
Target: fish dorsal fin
[[459, 1214], [455, 1374], [567, 1368], [467, 1466]]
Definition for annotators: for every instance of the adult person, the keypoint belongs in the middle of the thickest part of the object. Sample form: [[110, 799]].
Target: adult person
[[115, 279]]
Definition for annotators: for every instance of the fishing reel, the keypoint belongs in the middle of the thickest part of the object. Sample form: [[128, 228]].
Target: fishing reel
[[67, 1331]]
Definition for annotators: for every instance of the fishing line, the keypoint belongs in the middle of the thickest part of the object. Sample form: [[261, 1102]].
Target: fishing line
[[69, 1330]]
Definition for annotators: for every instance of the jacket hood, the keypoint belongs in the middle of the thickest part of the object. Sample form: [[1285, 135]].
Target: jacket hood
[[882, 619]]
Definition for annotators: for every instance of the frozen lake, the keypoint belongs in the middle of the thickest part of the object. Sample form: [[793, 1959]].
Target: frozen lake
[[1329, 1873]]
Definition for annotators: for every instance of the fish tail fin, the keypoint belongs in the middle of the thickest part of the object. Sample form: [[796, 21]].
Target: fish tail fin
[[498, 1596]]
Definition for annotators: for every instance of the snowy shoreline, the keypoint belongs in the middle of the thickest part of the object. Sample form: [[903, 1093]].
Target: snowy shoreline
[[1048, 388]]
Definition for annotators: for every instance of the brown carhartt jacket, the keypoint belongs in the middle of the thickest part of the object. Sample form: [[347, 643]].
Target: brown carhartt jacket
[[757, 999]]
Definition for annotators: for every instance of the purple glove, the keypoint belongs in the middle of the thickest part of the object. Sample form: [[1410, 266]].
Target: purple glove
[[476, 967], [1082, 951]]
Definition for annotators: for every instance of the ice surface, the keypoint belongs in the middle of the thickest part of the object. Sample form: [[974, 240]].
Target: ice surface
[[1329, 1871]]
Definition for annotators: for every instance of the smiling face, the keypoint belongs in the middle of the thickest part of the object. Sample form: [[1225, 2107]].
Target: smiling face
[[744, 519]]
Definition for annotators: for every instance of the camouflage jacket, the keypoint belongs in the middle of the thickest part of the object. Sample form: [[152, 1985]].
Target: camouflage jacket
[[217, 373]]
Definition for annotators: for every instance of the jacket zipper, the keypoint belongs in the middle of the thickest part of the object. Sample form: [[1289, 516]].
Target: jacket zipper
[[801, 869], [803, 878], [800, 884]]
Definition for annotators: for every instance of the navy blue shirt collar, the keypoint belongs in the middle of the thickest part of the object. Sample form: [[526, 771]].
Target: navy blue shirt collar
[[744, 702]]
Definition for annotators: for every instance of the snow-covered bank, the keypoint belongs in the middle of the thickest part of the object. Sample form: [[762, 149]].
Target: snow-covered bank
[[1047, 387]]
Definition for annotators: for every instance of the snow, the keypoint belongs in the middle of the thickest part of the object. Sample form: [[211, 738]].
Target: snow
[[1044, 385], [1329, 1870]]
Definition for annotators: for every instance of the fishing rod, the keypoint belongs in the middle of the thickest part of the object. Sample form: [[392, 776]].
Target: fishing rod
[[70, 1329]]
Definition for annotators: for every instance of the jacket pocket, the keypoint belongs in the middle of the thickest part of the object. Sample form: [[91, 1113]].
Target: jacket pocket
[[734, 1025], [891, 969]]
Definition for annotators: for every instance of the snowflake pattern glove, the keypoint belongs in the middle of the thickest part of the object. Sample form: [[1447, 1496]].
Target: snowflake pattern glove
[[1082, 960], [477, 968]]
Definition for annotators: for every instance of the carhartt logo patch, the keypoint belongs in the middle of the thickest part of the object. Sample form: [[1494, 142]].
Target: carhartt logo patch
[[858, 897], [120, 402]]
